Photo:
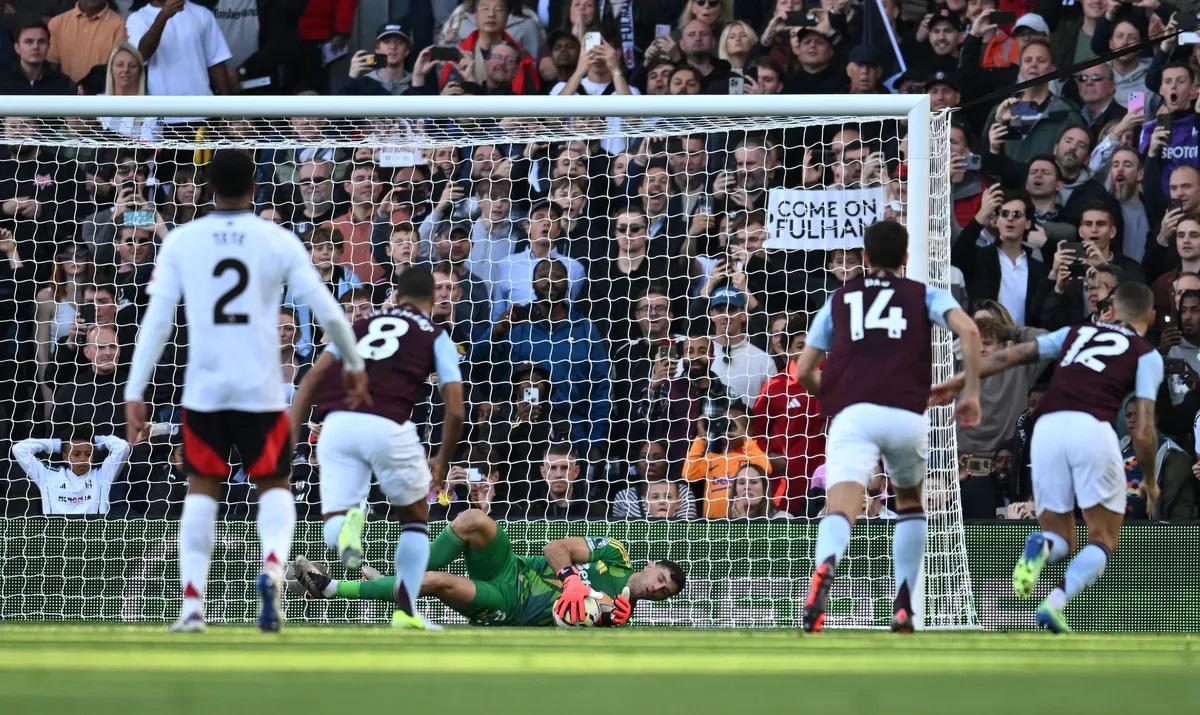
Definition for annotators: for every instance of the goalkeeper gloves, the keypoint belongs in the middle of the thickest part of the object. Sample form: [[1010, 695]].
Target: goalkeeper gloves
[[622, 609], [570, 606]]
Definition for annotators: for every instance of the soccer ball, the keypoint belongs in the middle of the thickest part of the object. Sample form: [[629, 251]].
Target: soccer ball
[[594, 606]]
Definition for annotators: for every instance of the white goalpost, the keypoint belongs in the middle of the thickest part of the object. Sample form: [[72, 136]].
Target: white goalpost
[[91, 185]]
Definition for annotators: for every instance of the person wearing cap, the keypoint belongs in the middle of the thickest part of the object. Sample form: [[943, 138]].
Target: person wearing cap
[[936, 49], [811, 69], [943, 90], [739, 364], [513, 278], [864, 70], [1131, 69], [394, 40]]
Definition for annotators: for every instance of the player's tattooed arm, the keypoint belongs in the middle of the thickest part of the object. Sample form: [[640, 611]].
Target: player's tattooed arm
[[1001, 360]]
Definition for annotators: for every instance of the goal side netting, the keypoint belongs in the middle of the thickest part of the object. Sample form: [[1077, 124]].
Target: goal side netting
[[625, 293]]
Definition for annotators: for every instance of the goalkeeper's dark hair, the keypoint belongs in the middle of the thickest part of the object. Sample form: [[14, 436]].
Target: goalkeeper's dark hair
[[415, 282], [230, 173], [886, 243], [675, 571]]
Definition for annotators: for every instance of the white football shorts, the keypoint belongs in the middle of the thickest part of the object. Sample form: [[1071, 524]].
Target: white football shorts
[[1076, 460], [355, 445], [863, 433]]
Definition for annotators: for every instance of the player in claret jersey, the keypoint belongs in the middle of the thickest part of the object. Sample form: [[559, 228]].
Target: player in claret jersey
[[877, 332], [401, 346], [1076, 457], [229, 269]]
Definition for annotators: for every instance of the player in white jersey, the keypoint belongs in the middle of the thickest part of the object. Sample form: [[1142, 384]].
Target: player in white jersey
[[229, 270], [77, 488]]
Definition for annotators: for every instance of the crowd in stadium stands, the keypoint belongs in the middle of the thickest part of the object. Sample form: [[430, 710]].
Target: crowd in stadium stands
[[626, 336]]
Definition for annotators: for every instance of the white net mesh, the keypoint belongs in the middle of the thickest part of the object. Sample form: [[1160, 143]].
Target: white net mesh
[[659, 410]]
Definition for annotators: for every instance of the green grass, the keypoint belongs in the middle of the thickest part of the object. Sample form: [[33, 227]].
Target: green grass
[[50, 669]]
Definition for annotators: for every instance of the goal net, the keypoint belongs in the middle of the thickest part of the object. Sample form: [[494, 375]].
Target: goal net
[[625, 291]]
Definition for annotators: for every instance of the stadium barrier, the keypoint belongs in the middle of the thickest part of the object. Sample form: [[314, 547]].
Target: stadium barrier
[[113, 570]]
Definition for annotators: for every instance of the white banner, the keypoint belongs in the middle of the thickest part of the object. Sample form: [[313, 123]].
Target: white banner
[[821, 220]]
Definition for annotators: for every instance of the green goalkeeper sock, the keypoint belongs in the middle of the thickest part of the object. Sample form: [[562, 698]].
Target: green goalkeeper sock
[[377, 589], [447, 547]]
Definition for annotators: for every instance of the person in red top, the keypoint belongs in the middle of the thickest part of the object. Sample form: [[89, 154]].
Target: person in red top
[[789, 427], [491, 17], [323, 21]]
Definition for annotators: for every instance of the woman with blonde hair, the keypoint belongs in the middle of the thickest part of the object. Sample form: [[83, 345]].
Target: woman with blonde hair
[[736, 44], [717, 13], [126, 77]]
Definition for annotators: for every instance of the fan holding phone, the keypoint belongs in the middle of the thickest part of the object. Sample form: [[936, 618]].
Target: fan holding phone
[[382, 71]]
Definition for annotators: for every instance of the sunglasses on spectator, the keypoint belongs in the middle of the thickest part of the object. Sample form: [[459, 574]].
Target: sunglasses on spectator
[[630, 227], [1015, 213], [706, 3], [1093, 77]]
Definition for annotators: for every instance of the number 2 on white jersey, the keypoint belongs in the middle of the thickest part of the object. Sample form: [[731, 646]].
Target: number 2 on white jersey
[[894, 323], [1104, 344]]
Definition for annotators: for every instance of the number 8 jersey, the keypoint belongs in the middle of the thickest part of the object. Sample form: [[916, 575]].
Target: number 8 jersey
[[877, 332], [1101, 363]]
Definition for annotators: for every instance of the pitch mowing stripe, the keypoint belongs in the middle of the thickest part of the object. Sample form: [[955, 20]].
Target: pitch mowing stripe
[[412, 659]]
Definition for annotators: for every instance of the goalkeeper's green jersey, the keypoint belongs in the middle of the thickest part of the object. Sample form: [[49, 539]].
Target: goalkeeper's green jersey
[[607, 570]]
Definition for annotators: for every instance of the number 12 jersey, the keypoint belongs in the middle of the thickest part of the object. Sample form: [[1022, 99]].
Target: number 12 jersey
[[877, 331], [1101, 363]]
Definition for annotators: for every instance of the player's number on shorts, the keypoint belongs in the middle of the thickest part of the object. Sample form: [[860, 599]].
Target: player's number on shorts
[[382, 339], [1090, 345], [220, 317], [874, 319]]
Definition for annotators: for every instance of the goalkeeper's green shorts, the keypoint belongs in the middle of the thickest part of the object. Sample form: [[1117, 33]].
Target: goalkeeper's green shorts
[[496, 572]]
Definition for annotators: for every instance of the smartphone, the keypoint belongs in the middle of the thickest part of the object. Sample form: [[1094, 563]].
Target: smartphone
[[531, 395], [1189, 38], [1023, 109], [737, 84], [1001, 17], [1077, 269], [1174, 204], [375, 59], [445, 54], [662, 31], [1168, 320], [1137, 102], [590, 40], [800, 19], [474, 476], [979, 466], [750, 73], [139, 218], [973, 162], [1175, 366]]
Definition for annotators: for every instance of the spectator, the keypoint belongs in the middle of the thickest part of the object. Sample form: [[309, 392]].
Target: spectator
[[316, 205], [1130, 69], [788, 425], [685, 80], [1187, 245], [1125, 184], [495, 233], [1043, 181], [699, 47], [643, 363], [187, 197], [763, 76], [1071, 153], [57, 308], [78, 488], [1042, 116], [365, 187], [598, 72], [1003, 394], [718, 453], [1178, 492], [558, 65], [864, 71], [1097, 96], [156, 483], [552, 333], [651, 492], [476, 36], [735, 45], [471, 484], [126, 77], [658, 76], [93, 396], [514, 276], [404, 243], [184, 50], [615, 279], [664, 500], [1002, 270], [1169, 140], [453, 246], [323, 27], [135, 263], [289, 360], [356, 304], [394, 41], [811, 67], [1183, 342], [739, 364], [31, 74], [84, 37], [325, 249], [500, 69], [561, 494], [1073, 300], [748, 498]]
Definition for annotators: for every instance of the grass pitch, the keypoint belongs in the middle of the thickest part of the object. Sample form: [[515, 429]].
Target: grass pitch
[[143, 669]]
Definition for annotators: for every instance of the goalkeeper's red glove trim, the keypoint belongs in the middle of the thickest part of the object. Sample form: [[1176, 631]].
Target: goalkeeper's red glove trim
[[569, 606]]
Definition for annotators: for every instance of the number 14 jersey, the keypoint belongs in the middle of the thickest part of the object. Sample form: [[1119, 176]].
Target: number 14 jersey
[[1101, 363], [877, 331]]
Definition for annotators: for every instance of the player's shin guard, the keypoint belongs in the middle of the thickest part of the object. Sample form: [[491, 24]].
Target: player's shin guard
[[412, 556], [276, 522], [833, 536], [195, 549], [1082, 572], [333, 527]]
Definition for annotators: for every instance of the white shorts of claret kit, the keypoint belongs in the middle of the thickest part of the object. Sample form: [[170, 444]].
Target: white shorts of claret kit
[[355, 445], [863, 433], [1076, 460]]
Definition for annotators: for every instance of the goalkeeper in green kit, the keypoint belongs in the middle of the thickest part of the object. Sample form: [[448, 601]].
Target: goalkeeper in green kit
[[503, 589]]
